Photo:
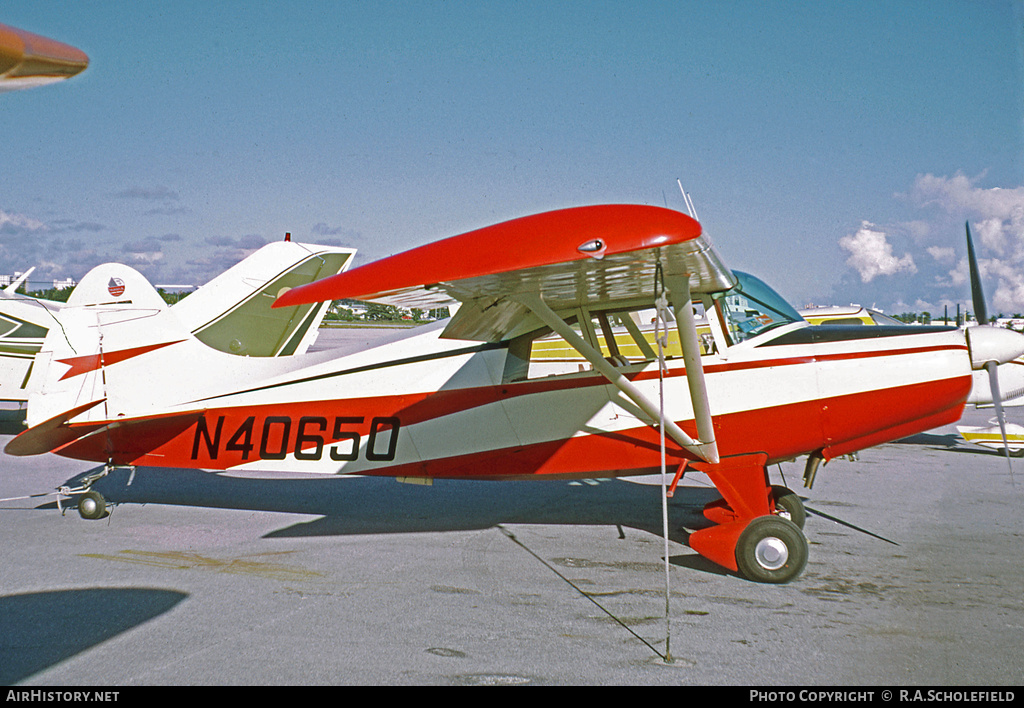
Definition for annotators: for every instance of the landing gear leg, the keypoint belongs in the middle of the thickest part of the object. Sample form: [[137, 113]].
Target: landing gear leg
[[753, 535]]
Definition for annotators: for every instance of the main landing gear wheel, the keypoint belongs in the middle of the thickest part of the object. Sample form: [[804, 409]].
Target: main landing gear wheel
[[92, 505], [788, 505], [771, 549]]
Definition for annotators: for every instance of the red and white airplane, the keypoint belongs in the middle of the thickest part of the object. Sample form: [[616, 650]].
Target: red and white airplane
[[473, 398]]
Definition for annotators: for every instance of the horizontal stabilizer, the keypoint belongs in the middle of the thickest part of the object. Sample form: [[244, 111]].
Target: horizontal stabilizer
[[12, 289], [51, 434]]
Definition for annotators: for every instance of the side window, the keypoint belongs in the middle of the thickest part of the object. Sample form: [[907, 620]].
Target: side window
[[624, 338]]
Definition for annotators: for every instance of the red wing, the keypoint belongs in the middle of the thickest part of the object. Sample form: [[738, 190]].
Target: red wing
[[594, 256]]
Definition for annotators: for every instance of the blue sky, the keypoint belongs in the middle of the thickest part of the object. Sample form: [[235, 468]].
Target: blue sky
[[833, 148]]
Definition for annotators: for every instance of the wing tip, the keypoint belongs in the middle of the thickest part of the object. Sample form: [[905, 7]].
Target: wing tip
[[28, 59]]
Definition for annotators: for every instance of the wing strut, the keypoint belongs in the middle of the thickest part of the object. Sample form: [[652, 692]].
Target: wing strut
[[707, 451], [682, 303]]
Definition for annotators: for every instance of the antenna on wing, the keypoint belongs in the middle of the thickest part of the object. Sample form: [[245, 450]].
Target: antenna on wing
[[686, 199]]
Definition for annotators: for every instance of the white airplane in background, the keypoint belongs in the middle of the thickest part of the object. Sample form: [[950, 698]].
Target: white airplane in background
[[459, 399], [1011, 381], [849, 315]]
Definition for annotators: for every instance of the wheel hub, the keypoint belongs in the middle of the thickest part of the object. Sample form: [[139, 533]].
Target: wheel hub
[[771, 553]]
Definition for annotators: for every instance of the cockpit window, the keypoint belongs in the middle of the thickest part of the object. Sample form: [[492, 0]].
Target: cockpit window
[[752, 308]]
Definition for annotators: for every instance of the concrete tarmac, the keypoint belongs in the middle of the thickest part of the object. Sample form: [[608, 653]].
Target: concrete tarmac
[[208, 579]]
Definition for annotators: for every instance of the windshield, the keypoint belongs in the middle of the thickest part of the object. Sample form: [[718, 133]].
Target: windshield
[[752, 308]]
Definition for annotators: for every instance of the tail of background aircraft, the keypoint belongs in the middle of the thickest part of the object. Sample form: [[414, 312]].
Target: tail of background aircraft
[[232, 313], [113, 314]]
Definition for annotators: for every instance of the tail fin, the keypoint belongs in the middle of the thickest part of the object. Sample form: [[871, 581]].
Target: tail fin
[[116, 288], [113, 315], [232, 313]]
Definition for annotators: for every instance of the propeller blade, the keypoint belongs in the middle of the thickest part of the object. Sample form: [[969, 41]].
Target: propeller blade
[[980, 310], [992, 367], [997, 400]]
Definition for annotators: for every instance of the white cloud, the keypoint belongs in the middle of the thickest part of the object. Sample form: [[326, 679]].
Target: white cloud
[[935, 269], [958, 194], [19, 223], [1009, 295], [871, 254], [992, 235], [919, 229], [943, 254], [146, 257], [996, 214], [960, 275]]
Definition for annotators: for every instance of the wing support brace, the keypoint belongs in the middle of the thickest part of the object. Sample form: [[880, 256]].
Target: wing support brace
[[686, 324], [707, 449]]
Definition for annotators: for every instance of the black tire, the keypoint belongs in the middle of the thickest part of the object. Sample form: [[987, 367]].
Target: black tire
[[771, 550], [92, 505], [789, 505]]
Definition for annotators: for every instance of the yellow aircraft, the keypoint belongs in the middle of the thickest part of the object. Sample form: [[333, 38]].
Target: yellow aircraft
[[849, 315]]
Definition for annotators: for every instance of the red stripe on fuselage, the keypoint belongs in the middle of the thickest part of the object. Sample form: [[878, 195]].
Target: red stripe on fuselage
[[229, 438], [781, 432]]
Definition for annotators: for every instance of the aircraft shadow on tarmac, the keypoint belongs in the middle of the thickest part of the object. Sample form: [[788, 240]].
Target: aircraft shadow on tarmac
[[40, 629], [946, 440], [949, 442], [376, 505]]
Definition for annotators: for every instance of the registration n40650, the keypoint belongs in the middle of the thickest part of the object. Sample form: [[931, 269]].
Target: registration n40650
[[308, 438]]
